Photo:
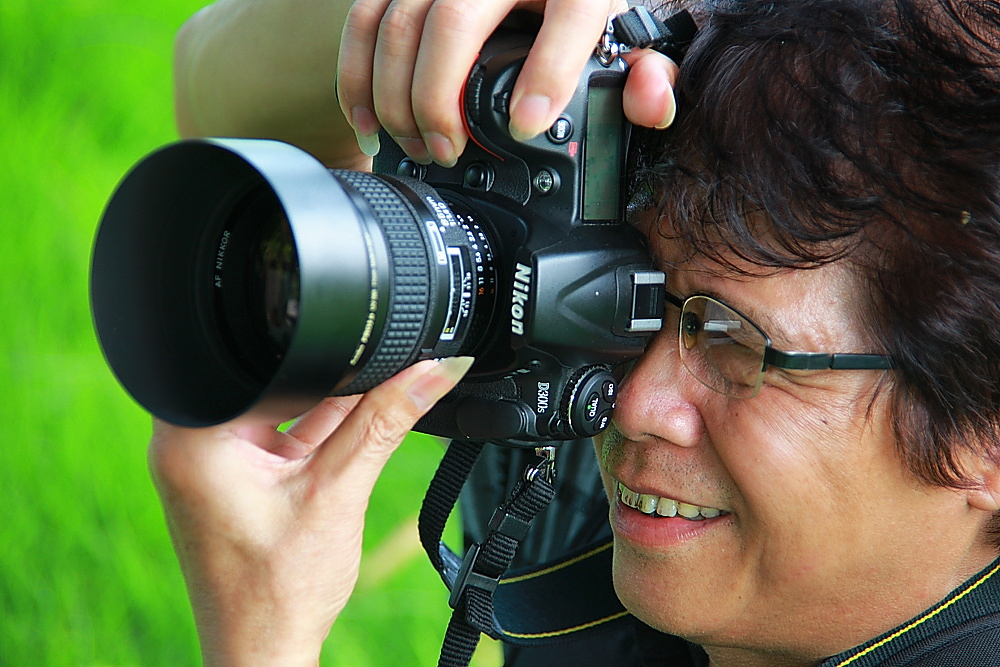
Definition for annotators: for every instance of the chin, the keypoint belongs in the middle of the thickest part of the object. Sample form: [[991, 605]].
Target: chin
[[655, 598]]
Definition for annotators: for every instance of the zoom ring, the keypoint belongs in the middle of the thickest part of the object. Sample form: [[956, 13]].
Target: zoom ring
[[409, 299]]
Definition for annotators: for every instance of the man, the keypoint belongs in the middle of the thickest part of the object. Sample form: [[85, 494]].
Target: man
[[830, 185]]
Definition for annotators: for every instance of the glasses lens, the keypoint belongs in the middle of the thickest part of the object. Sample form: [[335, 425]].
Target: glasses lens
[[721, 348]]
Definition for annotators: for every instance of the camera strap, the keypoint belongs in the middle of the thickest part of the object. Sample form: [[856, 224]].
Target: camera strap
[[544, 604], [639, 29], [473, 580]]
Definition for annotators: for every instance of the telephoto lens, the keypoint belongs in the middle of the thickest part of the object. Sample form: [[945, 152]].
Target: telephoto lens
[[231, 274]]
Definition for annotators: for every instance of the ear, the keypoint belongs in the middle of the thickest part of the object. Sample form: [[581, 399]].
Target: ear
[[985, 492]]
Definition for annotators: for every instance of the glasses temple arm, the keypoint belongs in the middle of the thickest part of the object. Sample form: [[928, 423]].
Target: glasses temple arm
[[814, 361]]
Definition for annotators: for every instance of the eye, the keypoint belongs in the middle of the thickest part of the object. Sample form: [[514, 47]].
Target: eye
[[691, 325]]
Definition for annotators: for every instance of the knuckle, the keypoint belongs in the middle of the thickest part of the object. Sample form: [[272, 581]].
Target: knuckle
[[456, 16], [400, 23], [437, 113], [363, 17], [353, 82], [393, 107], [386, 429], [337, 407]]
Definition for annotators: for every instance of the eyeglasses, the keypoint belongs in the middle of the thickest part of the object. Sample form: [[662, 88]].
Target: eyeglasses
[[727, 352]]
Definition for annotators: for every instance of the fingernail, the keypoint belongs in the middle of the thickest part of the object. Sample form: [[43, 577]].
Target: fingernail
[[670, 115], [366, 130], [441, 149], [368, 143], [415, 148], [428, 389], [363, 121], [531, 114]]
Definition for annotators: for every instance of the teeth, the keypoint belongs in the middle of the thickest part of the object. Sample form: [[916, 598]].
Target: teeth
[[687, 511], [647, 503], [667, 507]]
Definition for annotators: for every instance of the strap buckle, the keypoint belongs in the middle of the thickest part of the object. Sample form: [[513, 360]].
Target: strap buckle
[[639, 29], [468, 578], [546, 467], [608, 49]]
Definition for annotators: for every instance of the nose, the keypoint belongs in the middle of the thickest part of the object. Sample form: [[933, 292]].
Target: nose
[[657, 399]]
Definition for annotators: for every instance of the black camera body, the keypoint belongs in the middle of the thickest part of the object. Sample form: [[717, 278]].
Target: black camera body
[[575, 291], [235, 275]]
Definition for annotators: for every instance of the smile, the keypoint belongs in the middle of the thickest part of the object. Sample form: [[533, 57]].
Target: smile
[[665, 507]]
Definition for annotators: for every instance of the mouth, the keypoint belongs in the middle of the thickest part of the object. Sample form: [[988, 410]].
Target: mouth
[[659, 506]]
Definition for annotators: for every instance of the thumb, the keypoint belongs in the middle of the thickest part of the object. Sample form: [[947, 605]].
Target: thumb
[[649, 89], [372, 431]]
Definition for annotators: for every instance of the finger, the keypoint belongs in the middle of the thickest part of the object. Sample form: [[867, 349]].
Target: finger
[[396, 50], [354, 71], [569, 33], [649, 89], [452, 37], [372, 431], [316, 425]]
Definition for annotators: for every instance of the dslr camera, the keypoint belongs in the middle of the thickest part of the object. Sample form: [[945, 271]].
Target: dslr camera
[[236, 275]]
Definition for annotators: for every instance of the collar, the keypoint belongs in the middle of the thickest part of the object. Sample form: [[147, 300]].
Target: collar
[[976, 598]]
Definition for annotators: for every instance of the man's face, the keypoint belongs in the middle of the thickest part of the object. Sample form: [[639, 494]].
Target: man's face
[[822, 539]]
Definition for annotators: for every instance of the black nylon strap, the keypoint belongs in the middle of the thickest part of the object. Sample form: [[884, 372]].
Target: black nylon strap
[[460, 642], [639, 29], [551, 602], [475, 579], [442, 494], [473, 589]]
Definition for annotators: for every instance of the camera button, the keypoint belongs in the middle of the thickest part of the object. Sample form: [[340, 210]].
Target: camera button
[[411, 169], [586, 405], [479, 176], [609, 390], [592, 406], [561, 130], [545, 182]]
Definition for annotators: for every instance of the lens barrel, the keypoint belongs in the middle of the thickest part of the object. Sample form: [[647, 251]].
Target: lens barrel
[[231, 274]]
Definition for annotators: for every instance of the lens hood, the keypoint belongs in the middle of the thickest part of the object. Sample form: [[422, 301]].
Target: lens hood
[[156, 271]]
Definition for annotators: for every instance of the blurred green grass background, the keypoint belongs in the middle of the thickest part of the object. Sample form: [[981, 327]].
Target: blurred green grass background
[[87, 574]]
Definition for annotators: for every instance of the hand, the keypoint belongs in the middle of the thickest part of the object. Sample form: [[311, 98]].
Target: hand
[[267, 525], [403, 65]]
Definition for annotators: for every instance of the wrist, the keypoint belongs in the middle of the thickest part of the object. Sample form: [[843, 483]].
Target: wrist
[[249, 623], [250, 644]]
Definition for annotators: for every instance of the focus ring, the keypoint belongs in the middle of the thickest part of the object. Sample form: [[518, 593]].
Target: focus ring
[[409, 298]]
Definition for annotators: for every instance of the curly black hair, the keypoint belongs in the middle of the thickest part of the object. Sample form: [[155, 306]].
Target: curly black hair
[[812, 131]]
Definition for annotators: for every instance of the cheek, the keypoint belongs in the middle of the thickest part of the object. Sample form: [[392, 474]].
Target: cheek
[[784, 452], [603, 443], [799, 477]]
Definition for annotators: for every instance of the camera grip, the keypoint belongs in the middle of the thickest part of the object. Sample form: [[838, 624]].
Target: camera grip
[[480, 411]]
